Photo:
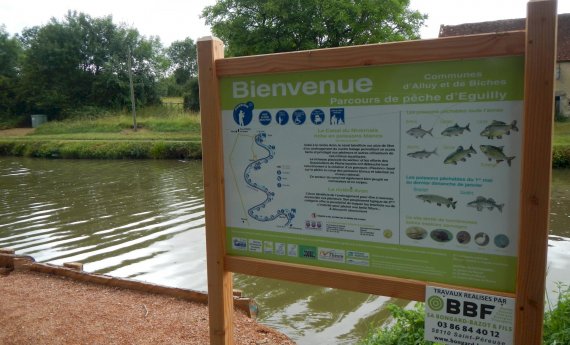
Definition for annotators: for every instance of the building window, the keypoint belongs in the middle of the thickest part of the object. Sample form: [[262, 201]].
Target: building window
[[558, 72]]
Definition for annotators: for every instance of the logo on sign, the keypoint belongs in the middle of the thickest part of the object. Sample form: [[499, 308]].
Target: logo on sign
[[468, 309], [243, 113], [239, 243], [435, 303], [308, 252], [333, 255]]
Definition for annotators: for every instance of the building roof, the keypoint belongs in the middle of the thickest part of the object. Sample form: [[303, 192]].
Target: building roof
[[563, 43]]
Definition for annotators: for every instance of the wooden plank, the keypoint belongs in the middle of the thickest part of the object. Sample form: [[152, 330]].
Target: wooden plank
[[125, 283], [220, 292], [449, 48], [536, 170], [339, 279]]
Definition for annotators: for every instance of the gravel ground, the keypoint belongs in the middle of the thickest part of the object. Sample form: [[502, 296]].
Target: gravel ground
[[40, 309]]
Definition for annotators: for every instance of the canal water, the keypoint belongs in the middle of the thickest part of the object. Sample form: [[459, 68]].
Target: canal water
[[145, 220]]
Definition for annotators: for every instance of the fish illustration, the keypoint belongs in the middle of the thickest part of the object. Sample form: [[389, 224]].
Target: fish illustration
[[459, 155], [422, 154], [455, 130], [481, 202], [438, 200], [496, 153], [419, 132], [498, 128]]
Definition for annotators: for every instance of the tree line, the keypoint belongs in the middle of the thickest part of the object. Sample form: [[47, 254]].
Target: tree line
[[79, 64]]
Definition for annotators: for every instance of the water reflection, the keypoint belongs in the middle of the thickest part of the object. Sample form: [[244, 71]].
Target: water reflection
[[125, 218], [145, 220]]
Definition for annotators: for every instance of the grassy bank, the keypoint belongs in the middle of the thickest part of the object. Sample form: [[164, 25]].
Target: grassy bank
[[101, 149], [162, 133]]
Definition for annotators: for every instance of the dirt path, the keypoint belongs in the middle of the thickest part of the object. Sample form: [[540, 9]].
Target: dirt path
[[36, 308], [16, 132]]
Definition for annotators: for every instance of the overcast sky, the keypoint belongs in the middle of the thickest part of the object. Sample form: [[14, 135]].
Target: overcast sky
[[174, 20]]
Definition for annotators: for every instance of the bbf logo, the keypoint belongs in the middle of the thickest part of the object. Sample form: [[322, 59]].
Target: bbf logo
[[468, 309]]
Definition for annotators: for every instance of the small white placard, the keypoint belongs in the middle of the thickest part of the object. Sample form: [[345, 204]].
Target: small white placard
[[464, 317]]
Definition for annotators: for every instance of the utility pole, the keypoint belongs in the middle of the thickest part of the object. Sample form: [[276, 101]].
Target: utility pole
[[132, 92]]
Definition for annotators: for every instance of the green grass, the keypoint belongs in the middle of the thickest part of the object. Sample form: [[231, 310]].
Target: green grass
[[102, 149], [556, 330], [162, 133], [140, 135], [407, 329], [561, 133], [178, 100], [157, 119]]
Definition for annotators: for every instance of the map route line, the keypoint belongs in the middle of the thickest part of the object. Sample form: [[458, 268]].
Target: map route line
[[288, 214], [234, 175]]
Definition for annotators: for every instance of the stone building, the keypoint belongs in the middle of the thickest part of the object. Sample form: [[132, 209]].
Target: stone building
[[562, 72]]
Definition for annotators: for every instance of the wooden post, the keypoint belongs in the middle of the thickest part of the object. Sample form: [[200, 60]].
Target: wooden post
[[536, 170], [76, 266], [133, 103], [220, 292]]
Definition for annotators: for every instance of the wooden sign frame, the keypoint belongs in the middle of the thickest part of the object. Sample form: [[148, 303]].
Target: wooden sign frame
[[537, 43]]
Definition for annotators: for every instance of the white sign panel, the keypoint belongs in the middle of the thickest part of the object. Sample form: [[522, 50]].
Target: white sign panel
[[468, 318]]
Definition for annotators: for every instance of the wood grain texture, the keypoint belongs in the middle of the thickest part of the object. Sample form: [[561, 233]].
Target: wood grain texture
[[536, 170], [449, 48], [339, 279], [220, 295]]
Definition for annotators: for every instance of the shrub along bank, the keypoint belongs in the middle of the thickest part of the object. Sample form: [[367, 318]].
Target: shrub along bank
[[561, 156], [97, 149]]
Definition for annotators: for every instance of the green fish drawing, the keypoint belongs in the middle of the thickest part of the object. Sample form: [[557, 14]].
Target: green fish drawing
[[481, 202], [459, 155], [438, 200], [455, 130], [419, 132], [422, 154], [496, 153], [498, 128]]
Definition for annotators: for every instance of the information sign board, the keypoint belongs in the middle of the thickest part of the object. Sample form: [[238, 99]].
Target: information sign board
[[406, 170], [383, 168]]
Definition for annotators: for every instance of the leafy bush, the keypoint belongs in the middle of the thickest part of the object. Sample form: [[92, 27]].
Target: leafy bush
[[192, 98], [557, 321], [407, 329], [561, 156], [102, 149]]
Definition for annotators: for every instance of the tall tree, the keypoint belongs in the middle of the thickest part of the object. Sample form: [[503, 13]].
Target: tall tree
[[184, 67], [82, 61], [10, 58], [182, 55], [266, 26]]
